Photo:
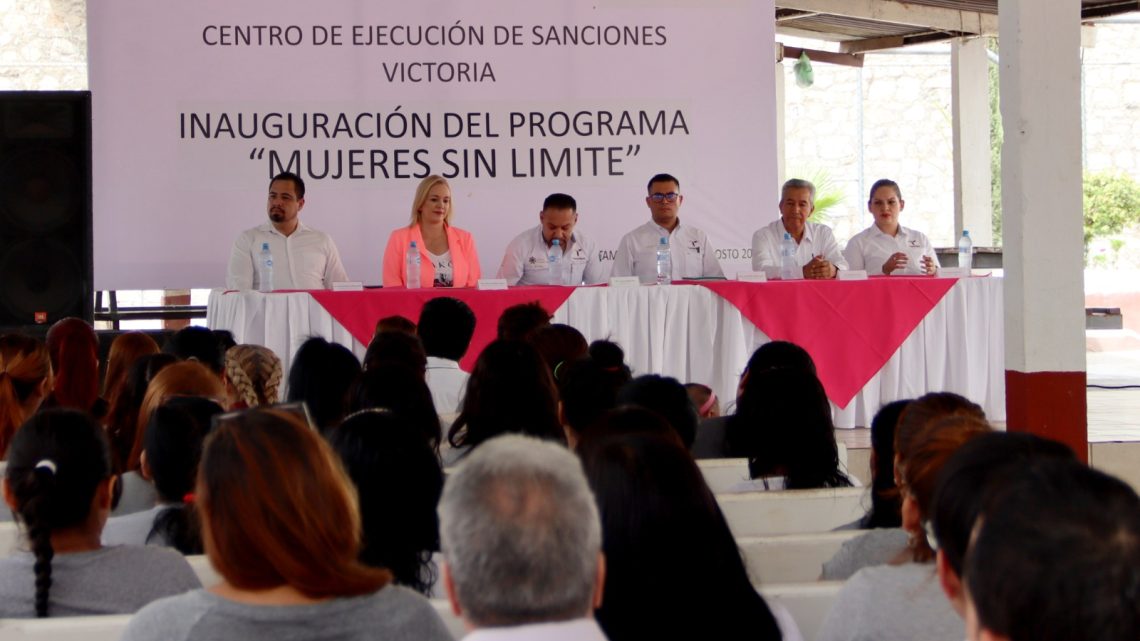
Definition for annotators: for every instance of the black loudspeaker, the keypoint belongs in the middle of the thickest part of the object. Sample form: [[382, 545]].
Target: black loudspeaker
[[45, 207]]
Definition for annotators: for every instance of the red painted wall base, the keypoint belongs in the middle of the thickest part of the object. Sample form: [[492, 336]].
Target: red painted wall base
[[1049, 404]]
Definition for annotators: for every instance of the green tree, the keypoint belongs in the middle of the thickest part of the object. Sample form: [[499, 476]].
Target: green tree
[[1112, 203]]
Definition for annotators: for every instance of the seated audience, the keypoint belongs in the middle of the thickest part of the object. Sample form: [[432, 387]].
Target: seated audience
[[74, 349], [674, 571], [398, 482], [59, 485], [1057, 557], [903, 600], [518, 321], [558, 344], [320, 376], [667, 397], [252, 376], [522, 543], [510, 391], [127, 348], [978, 470], [589, 386], [123, 416], [396, 388], [281, 526], [199, 344], [25, 381], [397, 347], [446, 325], [704, 399], [782, 425], [172, 449]]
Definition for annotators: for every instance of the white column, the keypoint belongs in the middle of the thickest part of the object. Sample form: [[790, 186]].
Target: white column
[[970, 97], [1042, 227], [780, 134]]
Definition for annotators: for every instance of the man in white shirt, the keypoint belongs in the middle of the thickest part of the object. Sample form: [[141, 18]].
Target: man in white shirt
[[817, 252], [522, 543], [525, 261], [445, 327], [692, 255], [303, 258]]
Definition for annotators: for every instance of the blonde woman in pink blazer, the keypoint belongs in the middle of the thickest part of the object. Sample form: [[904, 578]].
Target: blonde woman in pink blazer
[[447, 254]]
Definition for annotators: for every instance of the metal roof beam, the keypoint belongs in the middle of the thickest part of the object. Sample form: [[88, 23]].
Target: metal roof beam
[[901, 12]]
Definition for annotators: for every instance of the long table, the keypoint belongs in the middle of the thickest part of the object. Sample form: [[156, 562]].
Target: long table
[[873, 341]]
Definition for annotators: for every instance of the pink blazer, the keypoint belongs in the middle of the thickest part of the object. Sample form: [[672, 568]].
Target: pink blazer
[[464, 259]]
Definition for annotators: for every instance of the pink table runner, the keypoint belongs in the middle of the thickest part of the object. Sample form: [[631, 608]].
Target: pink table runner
[[850, 328], [359, 311]]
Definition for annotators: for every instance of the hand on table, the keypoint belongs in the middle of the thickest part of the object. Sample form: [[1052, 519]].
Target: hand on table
[[820, 268], [897, 260]]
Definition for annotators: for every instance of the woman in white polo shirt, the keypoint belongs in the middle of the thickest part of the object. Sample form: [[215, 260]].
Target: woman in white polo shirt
[[887, 247]]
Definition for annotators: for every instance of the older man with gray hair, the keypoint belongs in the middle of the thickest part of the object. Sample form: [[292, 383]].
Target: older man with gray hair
[[817, 253], [522, 541]]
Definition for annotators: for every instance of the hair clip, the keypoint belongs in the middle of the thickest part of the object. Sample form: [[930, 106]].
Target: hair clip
[[188, 498], [708, 404], [46, 464]]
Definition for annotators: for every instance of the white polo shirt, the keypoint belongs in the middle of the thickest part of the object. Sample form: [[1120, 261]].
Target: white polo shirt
[[818, 240], [693, 256], [447, 384], [306, 259], [870, 248], [525, 261]]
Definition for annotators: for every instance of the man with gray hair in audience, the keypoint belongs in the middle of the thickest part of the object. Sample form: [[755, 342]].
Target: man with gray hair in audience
[[521, 540]]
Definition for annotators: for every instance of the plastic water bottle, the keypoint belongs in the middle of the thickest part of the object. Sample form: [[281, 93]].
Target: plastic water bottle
[[412, 267], [664, 262], [789, 270], [554, 263], [965, 253], [265, 269]]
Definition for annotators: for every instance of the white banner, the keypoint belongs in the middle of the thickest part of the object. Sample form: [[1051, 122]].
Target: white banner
[[197, 103]]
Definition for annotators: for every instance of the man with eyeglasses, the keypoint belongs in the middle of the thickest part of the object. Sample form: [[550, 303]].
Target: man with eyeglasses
[[817, 252], [693, 256]]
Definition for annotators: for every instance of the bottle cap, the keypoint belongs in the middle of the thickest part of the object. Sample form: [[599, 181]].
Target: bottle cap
[[413, 243], [264, 246], [556, 243], [663, 241]]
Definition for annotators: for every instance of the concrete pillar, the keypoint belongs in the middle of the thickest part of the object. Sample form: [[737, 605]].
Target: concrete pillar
[[1042, 226], [780, 134], [970, 97]]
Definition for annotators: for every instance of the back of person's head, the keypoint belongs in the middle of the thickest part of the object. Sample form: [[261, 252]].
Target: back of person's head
[[74, 349], [520, 534], [780, 355], [173, 448], [558, 344], [610, 355], [510, 390], [630, 419], [127, 348], [25, 379], [254, 374], [589, 386], [59, 467], [278, 509], [185, 378], [655, 505], [123, 415], [976, 471], [918, 473], [518, 321], [783, 426], [704, 399], [398, 481], [396, 388], [1057, 557], [199, 344], [397, 347], [885, 504], [667, 397], [224, 338], [321, 375], [446, 326], [395, 323], [926, 410]]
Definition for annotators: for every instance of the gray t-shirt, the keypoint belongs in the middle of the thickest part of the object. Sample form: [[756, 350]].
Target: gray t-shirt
[[892, 603], [392, 614], [110, 580], [874, 547]]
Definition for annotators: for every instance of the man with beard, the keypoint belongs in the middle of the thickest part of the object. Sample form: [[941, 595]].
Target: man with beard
[[303, 257]]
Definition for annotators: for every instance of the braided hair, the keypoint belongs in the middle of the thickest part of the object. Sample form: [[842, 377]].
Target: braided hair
[[57, 461], [255, 373]]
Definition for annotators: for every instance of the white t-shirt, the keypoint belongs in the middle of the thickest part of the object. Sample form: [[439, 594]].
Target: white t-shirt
[[818, 240], [305, 259], [444, 269], [870, 248], [693, 256], [447, 384], [525, 261]]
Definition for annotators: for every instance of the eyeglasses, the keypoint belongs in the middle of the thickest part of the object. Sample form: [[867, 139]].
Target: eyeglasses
[[669, 197]]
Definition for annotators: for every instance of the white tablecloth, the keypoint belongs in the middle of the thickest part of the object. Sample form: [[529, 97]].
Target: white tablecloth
[[688, 332]]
